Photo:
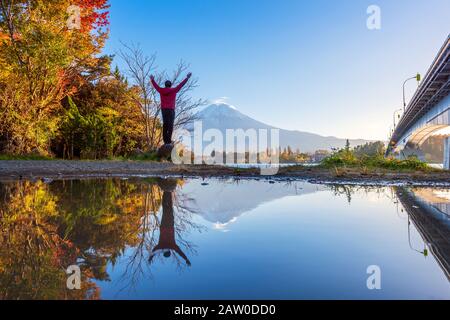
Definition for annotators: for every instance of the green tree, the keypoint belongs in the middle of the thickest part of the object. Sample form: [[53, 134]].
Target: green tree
[[370, 149], [347, 145]]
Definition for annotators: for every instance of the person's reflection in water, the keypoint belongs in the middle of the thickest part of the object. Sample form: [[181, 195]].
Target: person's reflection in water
[[167, 244]]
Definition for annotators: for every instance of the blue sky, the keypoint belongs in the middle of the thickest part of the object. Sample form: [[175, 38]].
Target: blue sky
[[310, 66]]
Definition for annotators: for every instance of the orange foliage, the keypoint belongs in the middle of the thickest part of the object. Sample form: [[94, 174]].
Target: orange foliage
[[94, 14]]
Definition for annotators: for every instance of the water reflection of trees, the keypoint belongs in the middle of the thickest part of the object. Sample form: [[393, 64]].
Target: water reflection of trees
[[44, 228], [348, 191]]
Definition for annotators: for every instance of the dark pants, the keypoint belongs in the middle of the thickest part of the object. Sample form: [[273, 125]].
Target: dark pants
[[168, 116]]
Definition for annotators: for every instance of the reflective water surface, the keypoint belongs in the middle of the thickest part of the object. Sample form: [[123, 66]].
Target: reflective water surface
[[224, 239]]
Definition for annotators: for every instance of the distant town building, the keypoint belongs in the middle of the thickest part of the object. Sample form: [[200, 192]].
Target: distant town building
[[319, 155]]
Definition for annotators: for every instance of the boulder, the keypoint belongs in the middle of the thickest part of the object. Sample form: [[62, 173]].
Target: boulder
[[165, 151]]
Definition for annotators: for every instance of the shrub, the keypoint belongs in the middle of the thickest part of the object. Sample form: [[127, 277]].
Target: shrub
[[341, 158], [348, 158]]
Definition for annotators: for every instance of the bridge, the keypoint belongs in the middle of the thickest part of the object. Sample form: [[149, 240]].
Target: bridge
[[428, 113], [431, 217]]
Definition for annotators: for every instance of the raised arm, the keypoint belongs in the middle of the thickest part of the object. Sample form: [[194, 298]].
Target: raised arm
[[154, 84], [183, 83], [181, 254]]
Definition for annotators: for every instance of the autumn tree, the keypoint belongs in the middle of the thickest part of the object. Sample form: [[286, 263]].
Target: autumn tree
[[58, 95], [101, 118], [39, 59]]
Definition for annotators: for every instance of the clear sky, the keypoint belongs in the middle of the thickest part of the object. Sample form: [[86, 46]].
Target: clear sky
[[310, 66]]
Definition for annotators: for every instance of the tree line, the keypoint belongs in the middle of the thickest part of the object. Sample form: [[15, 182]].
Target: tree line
[[60, 96]]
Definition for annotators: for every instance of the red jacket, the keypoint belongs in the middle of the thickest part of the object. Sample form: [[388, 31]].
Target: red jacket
[[169, 95]]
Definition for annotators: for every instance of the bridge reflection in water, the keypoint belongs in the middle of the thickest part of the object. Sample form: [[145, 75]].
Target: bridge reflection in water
[[429, 211]]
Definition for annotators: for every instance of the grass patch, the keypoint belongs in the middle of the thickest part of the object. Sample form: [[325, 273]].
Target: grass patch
[[147, 156], [348, 159]]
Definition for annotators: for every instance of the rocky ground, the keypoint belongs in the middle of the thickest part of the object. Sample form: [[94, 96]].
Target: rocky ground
[[56, 169]]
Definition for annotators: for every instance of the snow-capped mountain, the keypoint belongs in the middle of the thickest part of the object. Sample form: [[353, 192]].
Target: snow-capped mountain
[[238, 198], [223, 116]]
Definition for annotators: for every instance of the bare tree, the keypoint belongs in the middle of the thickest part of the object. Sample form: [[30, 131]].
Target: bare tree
[[140, 68]]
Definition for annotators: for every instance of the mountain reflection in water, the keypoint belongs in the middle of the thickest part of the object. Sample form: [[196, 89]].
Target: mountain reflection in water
[[166, 238]]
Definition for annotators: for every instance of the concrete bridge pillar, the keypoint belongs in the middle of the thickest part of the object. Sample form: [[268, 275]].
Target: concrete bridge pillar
[[447, 153]]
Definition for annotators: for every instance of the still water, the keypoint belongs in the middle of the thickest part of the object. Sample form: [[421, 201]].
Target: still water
[[222, 239]]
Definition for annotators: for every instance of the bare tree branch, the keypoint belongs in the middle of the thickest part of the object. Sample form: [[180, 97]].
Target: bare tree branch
[[140, 68]]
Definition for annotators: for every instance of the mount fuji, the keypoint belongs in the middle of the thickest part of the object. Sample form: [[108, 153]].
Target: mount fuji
[[222, 116]]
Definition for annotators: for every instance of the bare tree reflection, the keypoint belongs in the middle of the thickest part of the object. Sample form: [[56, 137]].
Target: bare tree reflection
[[149, 223], [162, 236]]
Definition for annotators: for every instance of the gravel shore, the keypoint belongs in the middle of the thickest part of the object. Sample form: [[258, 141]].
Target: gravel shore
[[74, 169], [58, 169]]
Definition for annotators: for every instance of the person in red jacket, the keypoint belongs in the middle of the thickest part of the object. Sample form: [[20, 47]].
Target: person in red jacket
[[167, 243], [168, 101]]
